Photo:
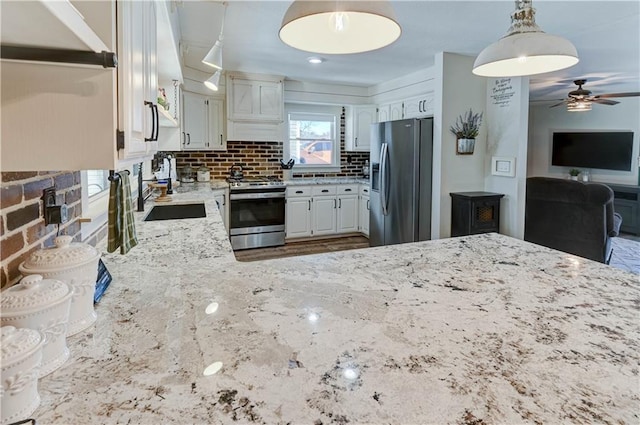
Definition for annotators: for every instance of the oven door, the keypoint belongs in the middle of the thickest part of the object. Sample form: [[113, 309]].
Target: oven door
[[256, 212]]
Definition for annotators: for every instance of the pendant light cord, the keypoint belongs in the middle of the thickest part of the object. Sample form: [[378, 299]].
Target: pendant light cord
[[224, 15]]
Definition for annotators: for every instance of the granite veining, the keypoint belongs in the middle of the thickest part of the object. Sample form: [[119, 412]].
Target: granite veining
[[325, 180], [483, 329]]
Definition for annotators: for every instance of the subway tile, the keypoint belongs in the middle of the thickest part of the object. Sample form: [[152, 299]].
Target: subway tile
[[12, 244], [34, 189], [23, 216], [10, 195]]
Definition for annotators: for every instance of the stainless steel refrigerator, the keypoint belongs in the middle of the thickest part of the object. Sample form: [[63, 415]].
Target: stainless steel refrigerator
[[401, 165]]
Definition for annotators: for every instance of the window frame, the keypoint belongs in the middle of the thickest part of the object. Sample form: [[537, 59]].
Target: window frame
[[303, 110]]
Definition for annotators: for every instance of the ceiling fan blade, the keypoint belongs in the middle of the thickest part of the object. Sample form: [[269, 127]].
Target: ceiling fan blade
[[605, 101], [629, 94], [558, 104]]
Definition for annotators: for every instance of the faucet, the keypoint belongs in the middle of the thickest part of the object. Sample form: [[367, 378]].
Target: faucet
[[141, 197]]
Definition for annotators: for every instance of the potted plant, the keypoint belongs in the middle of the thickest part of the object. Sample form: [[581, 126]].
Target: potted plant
[[574, 173], [466, 130]]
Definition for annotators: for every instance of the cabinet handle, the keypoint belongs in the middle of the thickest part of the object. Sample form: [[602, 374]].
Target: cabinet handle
[[184, 138], [356, 141], [224, 199], [155, 107], [340, 203], [368, 205], [325, 190], [347, 190], [298, 191], [309, 204], [334, 204], [153, 121], [188, 139], [221, 140]]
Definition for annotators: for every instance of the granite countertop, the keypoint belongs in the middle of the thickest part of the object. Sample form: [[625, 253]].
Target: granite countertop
[[325, 180], [474, 330]]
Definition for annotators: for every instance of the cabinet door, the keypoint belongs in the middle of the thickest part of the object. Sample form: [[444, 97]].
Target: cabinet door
[[151, 69], [194, 121], [384, 112], [358, 127], [216, 140], [396, 111], [419, 106], [298, 217], [255, 100], [348, 212], [270, 100], [324, 215], [364, 215], [220, 196]]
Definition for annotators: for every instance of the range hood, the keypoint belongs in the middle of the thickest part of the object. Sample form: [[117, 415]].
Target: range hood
[[50, 31]]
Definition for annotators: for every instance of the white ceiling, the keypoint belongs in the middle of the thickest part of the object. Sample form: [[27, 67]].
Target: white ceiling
[[606, 34]]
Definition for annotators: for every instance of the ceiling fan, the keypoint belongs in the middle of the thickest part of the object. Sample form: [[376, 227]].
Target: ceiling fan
[[581, 99]]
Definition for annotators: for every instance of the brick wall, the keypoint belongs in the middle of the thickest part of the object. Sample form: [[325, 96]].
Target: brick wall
[[22, 228], [263, 159]]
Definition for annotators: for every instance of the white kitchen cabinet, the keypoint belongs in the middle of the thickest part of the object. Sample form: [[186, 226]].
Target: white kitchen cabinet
[[221, 196], [391, 111], [78, 117], [364, 208], [419, 106], [202, 122], [358, 120], [298, 217], [138, 115], [324, 215], [348, 209], [255, 107]]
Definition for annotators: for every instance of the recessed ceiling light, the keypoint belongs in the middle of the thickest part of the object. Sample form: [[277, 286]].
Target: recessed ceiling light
[[315, 60]]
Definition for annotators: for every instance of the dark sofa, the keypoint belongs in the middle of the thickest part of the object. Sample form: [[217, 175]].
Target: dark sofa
[[571, 216]]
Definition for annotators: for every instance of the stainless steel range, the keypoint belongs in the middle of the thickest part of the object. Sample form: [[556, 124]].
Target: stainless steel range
[[256, 212]]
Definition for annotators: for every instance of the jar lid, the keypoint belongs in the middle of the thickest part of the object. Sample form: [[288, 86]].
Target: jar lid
[[33, 292], [63, 255], [18, 343], [203, 168]]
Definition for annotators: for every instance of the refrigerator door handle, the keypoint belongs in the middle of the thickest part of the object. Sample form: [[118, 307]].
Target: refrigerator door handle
[[384, 159]]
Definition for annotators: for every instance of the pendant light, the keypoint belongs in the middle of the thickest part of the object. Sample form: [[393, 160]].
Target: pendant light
[[214, 57], [339, 27], [214, 81], [526, 49]]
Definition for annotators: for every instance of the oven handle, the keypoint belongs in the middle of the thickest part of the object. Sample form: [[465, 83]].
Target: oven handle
[[237, 196]]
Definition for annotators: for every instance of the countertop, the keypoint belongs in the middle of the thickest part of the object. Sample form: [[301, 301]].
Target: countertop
[[474, 330]]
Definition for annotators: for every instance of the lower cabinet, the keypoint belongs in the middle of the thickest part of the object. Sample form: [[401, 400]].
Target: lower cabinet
[[322, 210], [221, 196], [365, 206]]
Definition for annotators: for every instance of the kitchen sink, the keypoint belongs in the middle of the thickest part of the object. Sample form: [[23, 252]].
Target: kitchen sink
[[176, 212]]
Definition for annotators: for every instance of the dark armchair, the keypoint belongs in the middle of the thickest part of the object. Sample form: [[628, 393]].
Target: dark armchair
[[571, 216]]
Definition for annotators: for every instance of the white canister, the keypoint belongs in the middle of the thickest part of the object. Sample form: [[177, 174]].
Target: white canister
[[203, 174], [76, 264], [42, 305], [21, 357]]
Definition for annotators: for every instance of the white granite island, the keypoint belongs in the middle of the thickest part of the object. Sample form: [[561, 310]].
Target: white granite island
[[474, 330]]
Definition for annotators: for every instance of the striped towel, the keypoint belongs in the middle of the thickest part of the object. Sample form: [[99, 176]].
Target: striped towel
[[122, 228]]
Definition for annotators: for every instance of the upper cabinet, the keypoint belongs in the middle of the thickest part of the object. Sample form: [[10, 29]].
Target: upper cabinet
[[255, 107], [357, 132], [76, 117], [419, 106], [202, 123]]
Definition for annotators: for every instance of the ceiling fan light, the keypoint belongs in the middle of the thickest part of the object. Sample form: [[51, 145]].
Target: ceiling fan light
[[339, 27], [214, 57], [578, 106], [213, 82], [525, 50]]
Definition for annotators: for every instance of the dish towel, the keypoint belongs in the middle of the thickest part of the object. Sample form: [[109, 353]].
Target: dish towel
[[122, 228]]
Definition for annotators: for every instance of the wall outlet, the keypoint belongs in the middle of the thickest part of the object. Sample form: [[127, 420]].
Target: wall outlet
[[53, 214]]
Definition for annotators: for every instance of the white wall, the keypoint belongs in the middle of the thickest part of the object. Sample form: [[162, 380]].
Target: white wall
[[544, 120], [457, 89], [507, 127]]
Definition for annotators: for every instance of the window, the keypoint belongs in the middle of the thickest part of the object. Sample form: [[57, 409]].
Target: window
[[313, 140], [97, 182]]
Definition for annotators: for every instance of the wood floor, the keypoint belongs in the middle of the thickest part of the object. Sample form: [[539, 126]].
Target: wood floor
[[303, 248]]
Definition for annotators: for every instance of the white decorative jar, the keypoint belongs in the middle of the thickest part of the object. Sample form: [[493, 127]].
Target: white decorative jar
[[76, 264], [43, 305], [21, 357]]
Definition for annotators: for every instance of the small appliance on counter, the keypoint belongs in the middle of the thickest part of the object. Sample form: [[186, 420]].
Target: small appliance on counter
[[365, 169], [75, 263], [236, 172], [204, 174], [21, 360], [187, 174]]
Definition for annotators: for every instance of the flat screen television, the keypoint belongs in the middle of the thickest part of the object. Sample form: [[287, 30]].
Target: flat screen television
[[605, 150]]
